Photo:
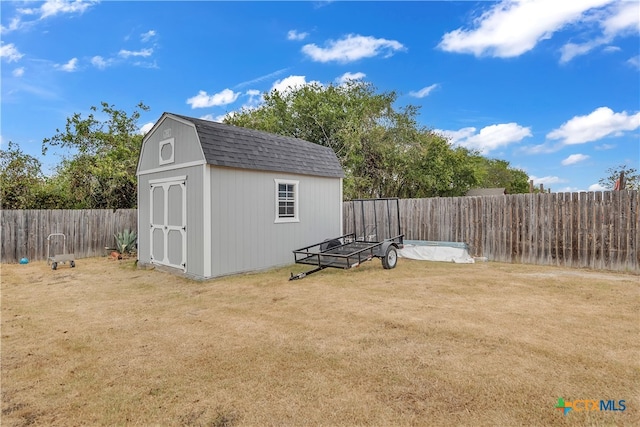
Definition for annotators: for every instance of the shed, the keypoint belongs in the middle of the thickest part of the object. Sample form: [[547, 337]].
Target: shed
[[215, 199]]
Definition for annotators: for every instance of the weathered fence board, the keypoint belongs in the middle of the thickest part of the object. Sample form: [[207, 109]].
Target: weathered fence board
[[598, 230], [88, 232]]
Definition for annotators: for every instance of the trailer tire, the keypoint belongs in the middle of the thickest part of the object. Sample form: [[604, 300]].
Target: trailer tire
[[390, 258]]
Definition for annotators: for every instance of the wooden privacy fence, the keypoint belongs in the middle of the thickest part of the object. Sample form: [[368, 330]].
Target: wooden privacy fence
[[88, 232], [597, 230]]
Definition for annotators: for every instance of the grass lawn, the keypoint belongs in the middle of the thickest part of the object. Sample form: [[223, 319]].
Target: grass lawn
[[429, 344]]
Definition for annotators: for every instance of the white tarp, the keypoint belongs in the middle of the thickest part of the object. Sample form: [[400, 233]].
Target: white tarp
[[436, 251]]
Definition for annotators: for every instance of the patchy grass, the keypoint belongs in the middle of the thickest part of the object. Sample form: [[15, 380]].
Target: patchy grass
[[423, 344]]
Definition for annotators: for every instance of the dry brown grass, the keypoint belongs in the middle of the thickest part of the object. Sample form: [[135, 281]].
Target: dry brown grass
[[423, 344]]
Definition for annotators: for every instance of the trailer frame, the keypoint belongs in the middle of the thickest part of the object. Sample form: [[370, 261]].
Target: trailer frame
[[363, 244]]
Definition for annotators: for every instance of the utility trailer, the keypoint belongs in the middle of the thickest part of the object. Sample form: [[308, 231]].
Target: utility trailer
[[375, 233]]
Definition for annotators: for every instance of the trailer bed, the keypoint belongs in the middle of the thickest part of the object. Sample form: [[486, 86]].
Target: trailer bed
[[350, 250]]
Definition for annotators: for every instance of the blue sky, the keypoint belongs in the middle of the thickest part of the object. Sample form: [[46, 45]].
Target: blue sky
[[551, 86]]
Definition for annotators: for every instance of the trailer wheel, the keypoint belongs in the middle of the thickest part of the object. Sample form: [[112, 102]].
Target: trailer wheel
[[72, 263], [54, 265], [390, 258]]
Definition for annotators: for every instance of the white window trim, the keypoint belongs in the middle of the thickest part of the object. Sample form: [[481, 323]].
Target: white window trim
[[296, 207], [161, 145]]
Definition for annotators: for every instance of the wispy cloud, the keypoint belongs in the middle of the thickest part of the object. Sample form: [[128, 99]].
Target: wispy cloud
[[351, 48], [573, 159], [511, 28], [547, 180], [145, 53], [149, 35], [488, 138], [350, 77], [18, 72], [620, 19], [69, 67], [204, 100], [634, 62], [10, 53], [261, 78], [600, 123], [48, 9], [295, 35], [425, 91]]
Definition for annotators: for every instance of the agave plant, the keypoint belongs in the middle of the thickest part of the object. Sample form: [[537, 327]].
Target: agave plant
[[126, 241]]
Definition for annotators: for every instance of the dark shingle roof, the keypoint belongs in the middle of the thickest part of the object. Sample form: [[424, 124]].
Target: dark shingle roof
[[237, 147]]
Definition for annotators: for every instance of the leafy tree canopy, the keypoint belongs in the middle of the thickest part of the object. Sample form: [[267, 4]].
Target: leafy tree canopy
[[102, 172], [383, 150], [631, 178]]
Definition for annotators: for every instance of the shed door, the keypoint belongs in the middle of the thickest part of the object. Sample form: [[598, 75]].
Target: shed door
[[169, 222]]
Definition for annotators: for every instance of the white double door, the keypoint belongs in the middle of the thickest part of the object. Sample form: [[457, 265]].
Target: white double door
[[168, 222]]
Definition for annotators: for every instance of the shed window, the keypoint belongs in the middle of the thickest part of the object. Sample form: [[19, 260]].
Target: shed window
[[166, 151], [286, 201]]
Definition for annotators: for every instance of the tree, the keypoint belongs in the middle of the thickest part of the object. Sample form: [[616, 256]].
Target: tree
[[102, 172], [20, 178], [382, 150], [631, 178], [495, 173]]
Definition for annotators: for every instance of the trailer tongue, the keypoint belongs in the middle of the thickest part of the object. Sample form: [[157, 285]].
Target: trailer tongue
[[376, 233]]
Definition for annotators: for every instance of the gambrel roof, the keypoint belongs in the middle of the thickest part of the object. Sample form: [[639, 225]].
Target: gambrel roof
[[237, 147]]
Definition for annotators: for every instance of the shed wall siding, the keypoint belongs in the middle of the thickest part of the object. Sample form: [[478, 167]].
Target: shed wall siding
[[195, 208], [187, 148], [244, 236]]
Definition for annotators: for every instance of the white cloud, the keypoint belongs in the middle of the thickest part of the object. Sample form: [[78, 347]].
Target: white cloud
[[352, 48], [291, 83], [14, 24], [598, 124], [603, 147], [350, 76], [513, 27], [70, 66], [573, 159], [295, 35], [10, 53], [620, 19], [489, 138], [146, 128], [203, 100], [611, 49], [18, 72], [143, 53], [46, 10], [101, 63], [546, 180], [598, 187], [56, 7], [145, 37], [634, 62], [624, 17], [424, 91]]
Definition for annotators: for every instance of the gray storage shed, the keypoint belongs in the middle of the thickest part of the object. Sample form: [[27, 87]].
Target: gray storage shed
[[215, 199]]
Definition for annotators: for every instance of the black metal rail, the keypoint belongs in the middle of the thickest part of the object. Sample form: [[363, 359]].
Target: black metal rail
[[349, 250]]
